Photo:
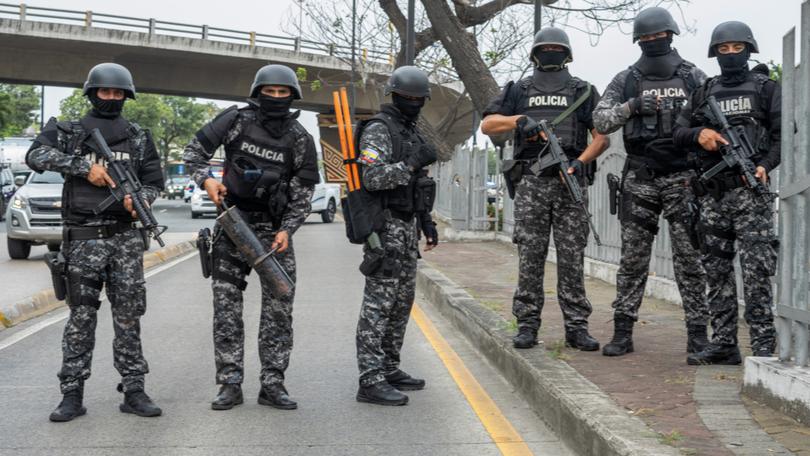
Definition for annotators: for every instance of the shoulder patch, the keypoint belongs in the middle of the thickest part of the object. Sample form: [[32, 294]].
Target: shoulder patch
[[368, 156]]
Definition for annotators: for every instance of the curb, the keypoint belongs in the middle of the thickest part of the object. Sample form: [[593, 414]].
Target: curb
[[657, 287], [44, 301], [581, 414]]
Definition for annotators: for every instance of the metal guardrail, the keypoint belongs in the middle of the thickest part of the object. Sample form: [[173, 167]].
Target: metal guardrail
[[793, 278], [24, 12]]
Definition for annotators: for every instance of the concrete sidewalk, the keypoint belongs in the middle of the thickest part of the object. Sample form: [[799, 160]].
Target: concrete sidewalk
[[698, 410]]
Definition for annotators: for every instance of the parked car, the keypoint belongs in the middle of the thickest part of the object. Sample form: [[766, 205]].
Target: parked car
[[34, 216], [325, 200], [7, 189], [175, 187], [188, 190], [201, 204]]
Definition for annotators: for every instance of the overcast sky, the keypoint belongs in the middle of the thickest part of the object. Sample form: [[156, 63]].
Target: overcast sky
[[615, 51]]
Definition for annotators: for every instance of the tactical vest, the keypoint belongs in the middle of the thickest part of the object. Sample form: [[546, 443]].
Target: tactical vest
[[80, 197], [743, 106], [649, 138], [258, 167], [540, 105], [405, 140]]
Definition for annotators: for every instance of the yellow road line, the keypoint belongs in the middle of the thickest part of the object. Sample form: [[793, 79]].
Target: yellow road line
[[509, 442], [5, 321]]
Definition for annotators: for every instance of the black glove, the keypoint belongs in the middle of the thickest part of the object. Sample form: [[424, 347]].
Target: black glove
[[579, 167], [426, 155], [431, 234], [529, 128], [645, 105]]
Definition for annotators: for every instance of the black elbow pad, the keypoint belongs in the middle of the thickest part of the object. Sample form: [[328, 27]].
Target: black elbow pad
[[308, 176]]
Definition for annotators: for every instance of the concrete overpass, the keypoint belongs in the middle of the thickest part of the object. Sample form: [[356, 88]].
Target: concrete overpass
[[58, 47]]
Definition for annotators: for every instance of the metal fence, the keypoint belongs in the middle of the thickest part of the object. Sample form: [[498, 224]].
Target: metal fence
[[461, 193], [793, 316], [151, 26]]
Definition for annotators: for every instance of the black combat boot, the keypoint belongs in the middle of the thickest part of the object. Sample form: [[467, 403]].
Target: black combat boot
[[716, 354], [696, 338], [763, 348], [276, 396], [381, 394], [230, 395], [622, 342], [580, 339], [525, 338], [404, 382], [70, 407], [138, 403]]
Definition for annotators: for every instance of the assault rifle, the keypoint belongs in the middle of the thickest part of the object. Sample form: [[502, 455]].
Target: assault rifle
[[126, 183], [737, 153], [556, 157]]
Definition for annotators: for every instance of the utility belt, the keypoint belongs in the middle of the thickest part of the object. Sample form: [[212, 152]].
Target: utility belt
[[401, 215], [717, 186], [85, 233], [644, 171]]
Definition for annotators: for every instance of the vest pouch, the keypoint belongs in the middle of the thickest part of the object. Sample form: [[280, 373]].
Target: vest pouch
[[512, 174], [85, 197], [401, 198], [424, 194], [278, 200], [241, 178]]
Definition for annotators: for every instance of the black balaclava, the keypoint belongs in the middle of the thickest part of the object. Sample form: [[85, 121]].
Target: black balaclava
[[656, 47], [105, 109], [733, 67], [551, 60], [408, 107], [273, 113]]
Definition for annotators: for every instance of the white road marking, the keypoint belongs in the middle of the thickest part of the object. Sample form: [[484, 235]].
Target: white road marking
[[63, 313]]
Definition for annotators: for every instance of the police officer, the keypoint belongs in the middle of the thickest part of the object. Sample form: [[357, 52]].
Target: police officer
[[542, 202], [102, 249], [270, 175], [645, 100], [730, 211], [393, 154]]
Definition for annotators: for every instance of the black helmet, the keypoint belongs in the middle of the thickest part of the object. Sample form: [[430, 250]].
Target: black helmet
[[551, 35], [276, 75], [732, 31], [408, 80], [110, 76], [654, 20]]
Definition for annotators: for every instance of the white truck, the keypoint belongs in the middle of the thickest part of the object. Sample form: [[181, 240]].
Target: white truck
[[325, 199]]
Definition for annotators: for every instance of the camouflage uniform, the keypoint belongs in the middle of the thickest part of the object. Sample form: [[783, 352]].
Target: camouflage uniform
[[389, 292], [230, 269], [737, 214], [645, 198], [116, 262], [542, 203]]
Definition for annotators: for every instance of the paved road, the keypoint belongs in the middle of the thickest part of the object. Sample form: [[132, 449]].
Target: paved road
[[22, 278], [322, 377]]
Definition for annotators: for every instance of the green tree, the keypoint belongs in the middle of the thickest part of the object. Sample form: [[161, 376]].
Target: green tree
[[171, 120], [18, 108]]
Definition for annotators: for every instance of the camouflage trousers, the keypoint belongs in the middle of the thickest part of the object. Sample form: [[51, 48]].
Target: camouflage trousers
[[275, 324], [542, 204], [116, 262], [387, 302], [642, 203], [742, 216]]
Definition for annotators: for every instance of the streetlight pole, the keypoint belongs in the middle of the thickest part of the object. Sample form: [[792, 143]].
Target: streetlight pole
[[411, 36], [538, 15], [352, 91]]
